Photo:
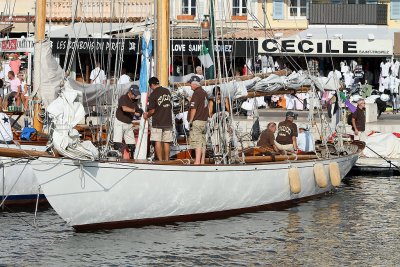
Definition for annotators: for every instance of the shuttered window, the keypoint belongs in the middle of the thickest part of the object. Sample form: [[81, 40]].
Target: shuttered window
[[278, 9], [395, 9]]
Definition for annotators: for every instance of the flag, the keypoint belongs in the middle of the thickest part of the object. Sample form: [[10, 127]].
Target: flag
[[347, 102], [205, 57]]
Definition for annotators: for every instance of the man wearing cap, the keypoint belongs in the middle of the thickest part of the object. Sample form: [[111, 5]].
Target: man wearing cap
[[287, 133], [305, 140], [123, 127], [198, 116], [160, 108]]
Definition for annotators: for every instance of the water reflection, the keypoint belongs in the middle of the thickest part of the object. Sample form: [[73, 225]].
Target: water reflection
[[357, 225]]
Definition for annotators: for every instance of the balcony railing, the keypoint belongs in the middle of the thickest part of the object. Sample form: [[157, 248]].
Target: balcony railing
[[368, 14]]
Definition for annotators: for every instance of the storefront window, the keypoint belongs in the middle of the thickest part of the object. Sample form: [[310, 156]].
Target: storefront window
[[189, 7], [239, 8], [298, 8]]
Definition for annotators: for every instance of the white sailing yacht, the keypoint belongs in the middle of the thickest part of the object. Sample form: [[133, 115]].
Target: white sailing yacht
[[90, 193]]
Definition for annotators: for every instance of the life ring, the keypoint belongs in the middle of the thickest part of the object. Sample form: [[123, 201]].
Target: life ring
[[320, 176], [294, 180], [334, 172]]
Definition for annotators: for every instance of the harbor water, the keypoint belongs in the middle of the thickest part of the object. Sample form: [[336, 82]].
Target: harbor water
[[358, 224]]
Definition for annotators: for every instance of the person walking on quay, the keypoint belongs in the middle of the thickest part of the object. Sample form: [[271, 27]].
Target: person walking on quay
[[160, 108], [98, 76], [123, 126], [198, 116], [287, 133], [358, 120]]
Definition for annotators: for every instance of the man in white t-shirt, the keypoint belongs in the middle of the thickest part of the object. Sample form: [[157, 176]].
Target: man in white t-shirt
[[124, 79], [6, 134], [97, 76], [15, 91]]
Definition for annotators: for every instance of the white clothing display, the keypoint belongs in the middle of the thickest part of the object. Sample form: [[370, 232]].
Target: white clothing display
[[348, 79], [395, 68], [337, 73], [385, 66], [394, 85], [290, 102], [384, 84]]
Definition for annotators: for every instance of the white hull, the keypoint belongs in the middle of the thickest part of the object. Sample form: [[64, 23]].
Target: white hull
[[93, 195], [18, 183]]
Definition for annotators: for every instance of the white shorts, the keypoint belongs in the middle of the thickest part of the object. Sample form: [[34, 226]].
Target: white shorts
[[123, 131], [289, 147]]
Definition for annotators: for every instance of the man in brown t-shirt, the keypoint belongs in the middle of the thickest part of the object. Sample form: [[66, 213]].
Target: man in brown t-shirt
[[123, 127], [267, 138], [287, 133], [198, 116], [160, 108], [358, 121]]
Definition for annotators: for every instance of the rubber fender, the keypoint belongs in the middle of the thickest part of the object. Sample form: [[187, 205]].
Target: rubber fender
[[320, 176], [294, 180], [334, 172]]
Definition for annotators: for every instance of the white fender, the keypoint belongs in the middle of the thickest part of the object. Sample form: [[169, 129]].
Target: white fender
[[320, 176], [294, 180], [334, 172]]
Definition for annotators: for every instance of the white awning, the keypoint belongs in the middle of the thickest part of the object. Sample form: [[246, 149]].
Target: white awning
[[338, 41]]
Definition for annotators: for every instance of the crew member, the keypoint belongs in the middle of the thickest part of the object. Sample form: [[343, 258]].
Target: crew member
[[287, 133]]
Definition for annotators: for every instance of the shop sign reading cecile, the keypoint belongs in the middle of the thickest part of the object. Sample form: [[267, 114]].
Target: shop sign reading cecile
[[334, 47]]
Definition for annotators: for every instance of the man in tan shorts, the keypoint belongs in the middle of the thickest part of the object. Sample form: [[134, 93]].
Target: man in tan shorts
[[198, 116], [160, 108]]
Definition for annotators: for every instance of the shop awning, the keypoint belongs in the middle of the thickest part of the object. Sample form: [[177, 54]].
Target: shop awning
[[338, 41]]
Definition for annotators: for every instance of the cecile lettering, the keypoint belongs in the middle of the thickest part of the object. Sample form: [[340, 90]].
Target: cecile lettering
[[308, 46]]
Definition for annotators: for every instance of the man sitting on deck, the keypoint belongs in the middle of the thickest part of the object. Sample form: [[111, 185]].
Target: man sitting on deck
[[287, 133], [267, 138]]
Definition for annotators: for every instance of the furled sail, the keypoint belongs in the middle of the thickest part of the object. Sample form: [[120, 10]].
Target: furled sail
[[48, 75], [66, 112]]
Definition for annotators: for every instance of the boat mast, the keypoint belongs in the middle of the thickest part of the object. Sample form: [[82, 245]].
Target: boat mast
[[39, 37], [163, 41]]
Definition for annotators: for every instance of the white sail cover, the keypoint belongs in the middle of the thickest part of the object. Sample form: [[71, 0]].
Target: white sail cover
[[66, 112], [234, 89], [48, 74], [385, 144]]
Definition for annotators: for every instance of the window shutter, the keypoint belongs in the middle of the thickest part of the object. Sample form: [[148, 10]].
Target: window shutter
[[279, 9], [220, 8], [200, 9], [252, 9], [395, 9]]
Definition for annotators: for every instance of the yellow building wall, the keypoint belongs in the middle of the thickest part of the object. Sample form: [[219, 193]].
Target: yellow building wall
[[22, 7]]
